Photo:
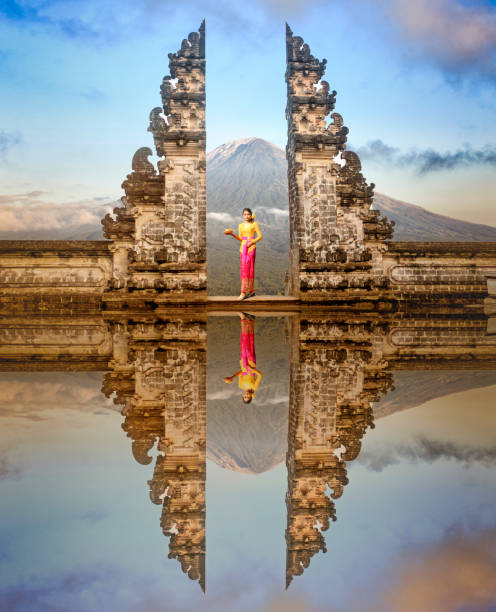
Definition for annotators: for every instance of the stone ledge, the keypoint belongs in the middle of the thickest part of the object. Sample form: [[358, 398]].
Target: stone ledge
[[28, 248], [417, 249]]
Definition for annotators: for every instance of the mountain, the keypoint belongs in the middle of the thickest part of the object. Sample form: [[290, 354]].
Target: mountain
[[416, 223], [252, 173]]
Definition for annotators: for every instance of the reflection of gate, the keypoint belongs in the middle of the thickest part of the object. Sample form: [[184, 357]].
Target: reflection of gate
[[156, 371]]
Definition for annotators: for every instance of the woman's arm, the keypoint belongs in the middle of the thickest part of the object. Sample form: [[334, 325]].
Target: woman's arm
[[258, 379], [259, 234], [229, 232], [229, 379]]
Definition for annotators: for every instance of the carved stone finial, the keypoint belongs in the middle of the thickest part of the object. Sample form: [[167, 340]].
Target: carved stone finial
[[140, 161]]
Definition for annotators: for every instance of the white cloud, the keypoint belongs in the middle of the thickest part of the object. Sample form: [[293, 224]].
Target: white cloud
[[29, 212], [223, 217], [278, 212]]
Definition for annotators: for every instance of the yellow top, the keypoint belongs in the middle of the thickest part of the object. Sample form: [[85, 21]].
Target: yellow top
[[245, 230], [249, 381]]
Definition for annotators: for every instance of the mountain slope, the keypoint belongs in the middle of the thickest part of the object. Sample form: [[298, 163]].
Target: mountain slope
[[252, 173]]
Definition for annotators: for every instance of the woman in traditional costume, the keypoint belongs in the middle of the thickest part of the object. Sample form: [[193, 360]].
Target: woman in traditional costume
[[247, 252], [248, 377]]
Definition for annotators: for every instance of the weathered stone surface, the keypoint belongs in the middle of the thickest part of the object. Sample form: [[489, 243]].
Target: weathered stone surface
[[159, 376], [163, 217], [338, 249], [74, 273], [329, 203], [335, 377], [339, 368]]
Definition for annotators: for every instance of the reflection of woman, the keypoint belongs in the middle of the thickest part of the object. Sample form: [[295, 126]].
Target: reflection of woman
[[247, 251], [248, 377]]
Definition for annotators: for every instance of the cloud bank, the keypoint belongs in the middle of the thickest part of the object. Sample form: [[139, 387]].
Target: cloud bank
[[427, 160], [428, 451], [460, 39], [30, 213]]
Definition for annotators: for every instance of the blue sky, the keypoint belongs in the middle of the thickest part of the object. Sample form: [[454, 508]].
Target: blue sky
[[415, 80]]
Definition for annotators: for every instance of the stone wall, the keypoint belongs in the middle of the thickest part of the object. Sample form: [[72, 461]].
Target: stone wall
[[53, 275], [448, 272]]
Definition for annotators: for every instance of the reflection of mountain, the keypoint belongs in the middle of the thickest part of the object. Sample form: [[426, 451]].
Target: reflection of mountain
[[418, 387], [253, 438], [247, 437]]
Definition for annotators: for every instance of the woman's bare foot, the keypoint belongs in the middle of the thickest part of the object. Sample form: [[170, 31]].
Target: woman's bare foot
[[241, 296]]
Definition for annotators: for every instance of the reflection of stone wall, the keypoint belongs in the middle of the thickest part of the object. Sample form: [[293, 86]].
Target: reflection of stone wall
[[339, 367], [159, 372]]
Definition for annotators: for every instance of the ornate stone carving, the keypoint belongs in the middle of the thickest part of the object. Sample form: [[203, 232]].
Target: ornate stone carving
[[329, 202], [163, 219], [159, 375], [334, 379]]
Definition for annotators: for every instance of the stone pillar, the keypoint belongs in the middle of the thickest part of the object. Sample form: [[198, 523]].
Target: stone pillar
[[163, 218], [335, 239], [162, 387], [334, 378]]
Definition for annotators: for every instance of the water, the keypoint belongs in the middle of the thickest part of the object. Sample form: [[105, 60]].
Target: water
[[90, 483]]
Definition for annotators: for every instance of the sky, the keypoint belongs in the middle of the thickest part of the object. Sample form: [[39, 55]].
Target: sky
[[415, 80]]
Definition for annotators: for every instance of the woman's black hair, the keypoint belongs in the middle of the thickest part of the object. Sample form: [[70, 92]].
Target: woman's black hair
[[248, 399], [249, 210]]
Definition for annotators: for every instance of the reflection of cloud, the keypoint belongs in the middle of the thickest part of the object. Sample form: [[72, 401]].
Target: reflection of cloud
[[7, 470], [428, 160], [95, 516], [224, 393], [422, 449], [33, 398], [223, 217], [458, 574], [278, 399], [8, 140]]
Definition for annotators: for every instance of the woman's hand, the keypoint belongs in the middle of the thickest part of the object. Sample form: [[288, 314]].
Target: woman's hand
[[228, 379], [249, 243], [228, 232]]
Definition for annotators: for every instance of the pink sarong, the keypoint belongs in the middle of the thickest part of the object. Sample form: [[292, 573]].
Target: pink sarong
[[247, 344], [247, 267]]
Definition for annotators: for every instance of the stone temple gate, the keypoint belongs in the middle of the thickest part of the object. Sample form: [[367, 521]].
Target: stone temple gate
[[155, 252]]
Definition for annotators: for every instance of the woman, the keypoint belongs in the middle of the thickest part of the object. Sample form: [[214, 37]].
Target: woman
[[248, 377], [247, 252]]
